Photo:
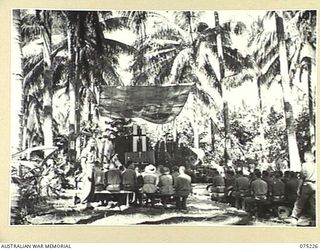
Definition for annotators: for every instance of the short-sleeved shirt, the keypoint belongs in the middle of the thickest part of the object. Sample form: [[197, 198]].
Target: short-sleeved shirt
[[277, 187], [291, 188], [129, 177], [218, 180], [242, 183], [308, 171], [259, 187], [183, 185], [113, 177], [166, 184]]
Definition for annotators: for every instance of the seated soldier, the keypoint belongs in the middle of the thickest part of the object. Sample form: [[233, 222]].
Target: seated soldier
[[267, 178], [99, 178], [113, 178], [138, 193], [129, 177], [259, 192], [182, 188], [241, 189], [230, 186], [277, 188], [166, 186], [291, 188], [218, 186], [175, 173], [150, 181]]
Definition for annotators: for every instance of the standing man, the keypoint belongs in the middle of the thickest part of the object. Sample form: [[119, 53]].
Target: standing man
[[307, 191], [88, 159], [182, 189]]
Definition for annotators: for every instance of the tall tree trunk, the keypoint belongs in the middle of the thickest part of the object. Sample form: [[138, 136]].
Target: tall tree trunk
[[47, 78], [195, 135], [72, 91], [222, 90], [77, 101], [294, 158], [16, 85], [194, 122], [212, 132], [311, 111], [78, 45], [261, 128]]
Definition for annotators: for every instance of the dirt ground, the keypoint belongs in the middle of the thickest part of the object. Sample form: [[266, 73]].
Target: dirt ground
[[201, 212]]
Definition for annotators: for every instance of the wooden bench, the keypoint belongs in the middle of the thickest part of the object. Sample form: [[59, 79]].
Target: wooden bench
[[105, 195]]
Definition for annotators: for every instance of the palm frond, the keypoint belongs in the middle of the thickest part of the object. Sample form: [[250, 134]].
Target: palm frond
[[186, 18], [30, 28], [115, 23], [117, 47], [271, 73], [234, 61], [181, 59], [37, 69]]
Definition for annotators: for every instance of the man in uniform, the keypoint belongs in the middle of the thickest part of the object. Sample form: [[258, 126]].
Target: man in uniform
[[218, 186], [277, 188], [306, 193], [182, 188], [259, 192], [241, 189]]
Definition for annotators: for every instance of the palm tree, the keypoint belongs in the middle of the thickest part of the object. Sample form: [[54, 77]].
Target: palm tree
[[92, 62], [276, 59], [16, 84], [262, 74], [221, 70], [188, 52], [39, 71], [46, 32], [306, 25]]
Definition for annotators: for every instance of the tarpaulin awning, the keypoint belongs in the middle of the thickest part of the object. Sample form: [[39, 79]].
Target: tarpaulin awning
[[157, 104]]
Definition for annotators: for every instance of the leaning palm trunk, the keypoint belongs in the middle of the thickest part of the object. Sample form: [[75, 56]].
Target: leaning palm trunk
[[261, 127], [212, 133], [227, 144], [47, 78], [16, 85], [311, 112], [194, 123], [294, 157], [195, 135], [72, 92]]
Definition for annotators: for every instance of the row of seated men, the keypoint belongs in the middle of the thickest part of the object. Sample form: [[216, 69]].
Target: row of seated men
[[246, 192], [150, 183]]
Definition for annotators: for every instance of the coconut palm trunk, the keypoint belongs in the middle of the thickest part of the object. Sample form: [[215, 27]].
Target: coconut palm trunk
[[16, 84], [47, 77], [311, 111], [212, 133], [227, 144], [261, 127], [72, 88], [294, 158], [195, 135]]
